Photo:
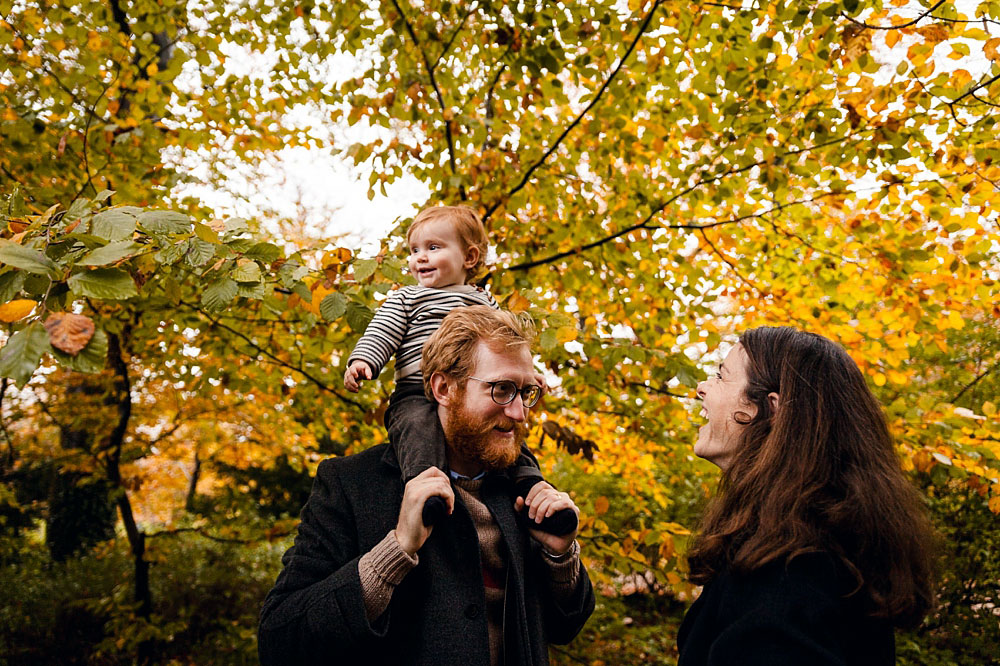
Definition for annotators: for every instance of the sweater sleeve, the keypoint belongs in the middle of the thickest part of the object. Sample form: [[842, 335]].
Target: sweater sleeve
[[569, 601], [382, 568], [317, 608], [384, 334]]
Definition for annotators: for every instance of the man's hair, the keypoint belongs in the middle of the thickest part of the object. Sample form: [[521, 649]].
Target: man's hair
[[468, 227], [818, 474], [451, 350]]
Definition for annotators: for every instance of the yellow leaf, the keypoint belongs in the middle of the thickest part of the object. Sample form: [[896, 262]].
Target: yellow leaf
[[152, 69], [879, 379], [991, 49], [601, 505], [566, 334], [891, 38], [989, 409], [994, 504], [16, 310], [517, 303]]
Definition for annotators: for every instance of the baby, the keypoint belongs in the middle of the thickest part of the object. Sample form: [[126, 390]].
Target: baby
[[447, 246]]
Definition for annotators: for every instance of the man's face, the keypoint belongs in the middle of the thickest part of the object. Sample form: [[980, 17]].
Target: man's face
[[480, 432]]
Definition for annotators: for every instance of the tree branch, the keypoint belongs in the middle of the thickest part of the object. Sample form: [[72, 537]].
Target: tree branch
[[280, 362], [894, 27], [202, 533], [434, 84], [576, 121], [454, 35]]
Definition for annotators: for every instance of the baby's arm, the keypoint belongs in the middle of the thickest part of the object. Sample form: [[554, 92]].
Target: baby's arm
[[379, 341]]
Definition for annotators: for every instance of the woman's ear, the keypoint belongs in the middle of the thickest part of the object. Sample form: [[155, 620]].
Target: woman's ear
[[774, 400], [442, 388]]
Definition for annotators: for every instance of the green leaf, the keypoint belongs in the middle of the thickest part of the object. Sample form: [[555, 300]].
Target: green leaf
[[77, 209], [266, 252], [165, 222], [364, 269], [91, 358], [172, 289], [26, 259], [248, 272], [113, 224], [254, 290], [105, 283], [110, 253], [547, 339], [199, 252], [11, 283], [333, 306], [358, 316], [219, 294], [20, 356]]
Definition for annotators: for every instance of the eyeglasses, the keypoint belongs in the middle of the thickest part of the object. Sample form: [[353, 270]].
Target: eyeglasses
[[504, 391]]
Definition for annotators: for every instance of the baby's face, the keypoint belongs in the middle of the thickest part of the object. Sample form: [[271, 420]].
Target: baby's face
[[437, 256]]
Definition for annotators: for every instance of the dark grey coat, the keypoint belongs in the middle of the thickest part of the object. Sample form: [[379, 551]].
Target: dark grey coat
[[315, 613]]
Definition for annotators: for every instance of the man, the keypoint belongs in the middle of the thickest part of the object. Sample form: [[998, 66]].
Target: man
[[368, 582]]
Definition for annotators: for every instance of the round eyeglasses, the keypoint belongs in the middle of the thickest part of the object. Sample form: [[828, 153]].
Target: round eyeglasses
[[504, 391]]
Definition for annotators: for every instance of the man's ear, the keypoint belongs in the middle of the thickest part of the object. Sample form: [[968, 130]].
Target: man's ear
[[442, 388], [471, 257], [774, 400]]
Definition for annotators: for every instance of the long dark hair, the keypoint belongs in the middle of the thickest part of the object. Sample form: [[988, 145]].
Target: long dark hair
[[819, 473]]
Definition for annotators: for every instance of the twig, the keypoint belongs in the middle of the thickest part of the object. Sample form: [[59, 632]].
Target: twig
[[576, 121], [736, 271], [975, 381], [894, 27]]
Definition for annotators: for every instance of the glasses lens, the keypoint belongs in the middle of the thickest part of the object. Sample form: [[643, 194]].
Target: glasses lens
[[504, 392], [530, 395]]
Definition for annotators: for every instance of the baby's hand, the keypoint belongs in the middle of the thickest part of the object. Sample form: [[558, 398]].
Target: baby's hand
[[356, 372]]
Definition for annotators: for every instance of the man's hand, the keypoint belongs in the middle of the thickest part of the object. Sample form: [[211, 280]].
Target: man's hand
[[410, 530], [356, 371], [542, 501]]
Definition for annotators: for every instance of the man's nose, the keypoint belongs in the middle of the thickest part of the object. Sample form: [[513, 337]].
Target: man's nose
[[515, 409]]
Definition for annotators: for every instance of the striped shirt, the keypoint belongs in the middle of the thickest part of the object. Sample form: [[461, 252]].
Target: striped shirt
[[404, 322]]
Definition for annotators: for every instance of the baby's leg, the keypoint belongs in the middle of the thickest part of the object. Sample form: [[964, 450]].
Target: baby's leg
[[415, 434]]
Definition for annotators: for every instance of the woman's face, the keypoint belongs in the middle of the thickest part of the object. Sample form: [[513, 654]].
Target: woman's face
[[722, 398]]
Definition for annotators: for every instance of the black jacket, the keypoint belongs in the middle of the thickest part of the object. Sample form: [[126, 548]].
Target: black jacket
[[315, 613], [794, 614]]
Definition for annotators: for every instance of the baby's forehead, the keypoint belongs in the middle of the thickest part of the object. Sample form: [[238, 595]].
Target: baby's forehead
[[432, 230]]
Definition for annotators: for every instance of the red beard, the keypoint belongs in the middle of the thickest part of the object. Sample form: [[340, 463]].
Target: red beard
[[475, 440]]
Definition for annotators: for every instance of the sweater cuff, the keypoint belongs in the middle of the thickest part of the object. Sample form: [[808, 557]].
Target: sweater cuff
[[565, 571], [388, 560]]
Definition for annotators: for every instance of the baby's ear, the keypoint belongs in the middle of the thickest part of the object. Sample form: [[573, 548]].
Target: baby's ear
[[471, 257]]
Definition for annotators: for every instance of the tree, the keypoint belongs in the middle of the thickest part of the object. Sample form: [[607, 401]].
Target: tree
[[655, 177]]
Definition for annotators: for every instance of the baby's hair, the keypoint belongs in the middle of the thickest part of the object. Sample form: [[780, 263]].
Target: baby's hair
[[468, 227]]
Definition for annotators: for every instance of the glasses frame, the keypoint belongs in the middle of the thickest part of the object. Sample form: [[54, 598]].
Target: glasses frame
[[517, 392]]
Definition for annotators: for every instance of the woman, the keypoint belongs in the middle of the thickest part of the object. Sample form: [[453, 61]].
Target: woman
[[816, 546]]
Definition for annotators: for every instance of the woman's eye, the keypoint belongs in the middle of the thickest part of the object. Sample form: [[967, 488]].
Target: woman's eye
[[718, 375]]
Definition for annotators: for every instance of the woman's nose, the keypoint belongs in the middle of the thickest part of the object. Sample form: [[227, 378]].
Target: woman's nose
[[700, 390]]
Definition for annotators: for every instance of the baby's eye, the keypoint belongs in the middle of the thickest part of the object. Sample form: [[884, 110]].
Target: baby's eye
[[435, 246]]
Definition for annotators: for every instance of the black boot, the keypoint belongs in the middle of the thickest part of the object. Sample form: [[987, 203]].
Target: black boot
[[560, 523], [435, 509]]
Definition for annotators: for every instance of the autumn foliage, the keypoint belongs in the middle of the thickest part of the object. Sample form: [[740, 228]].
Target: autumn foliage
[[654, 176]]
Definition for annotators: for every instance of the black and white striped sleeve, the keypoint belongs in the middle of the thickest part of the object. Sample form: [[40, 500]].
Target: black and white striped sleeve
[[384, 334]]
